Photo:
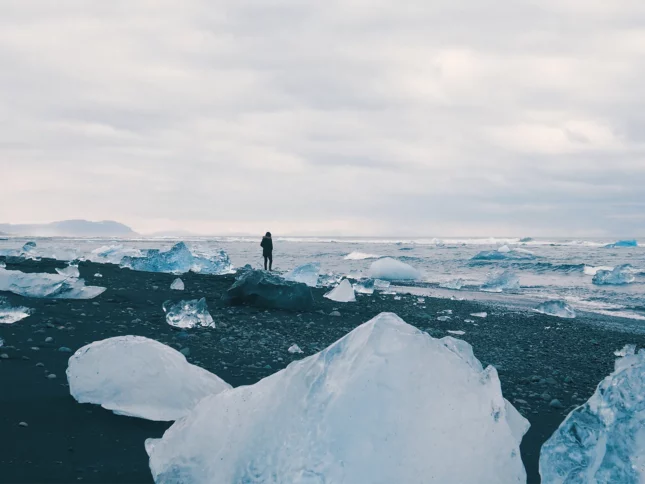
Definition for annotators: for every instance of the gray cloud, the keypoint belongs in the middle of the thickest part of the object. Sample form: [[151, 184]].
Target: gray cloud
[[344, 117]]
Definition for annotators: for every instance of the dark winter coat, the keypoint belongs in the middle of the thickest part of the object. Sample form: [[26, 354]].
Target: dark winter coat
[[267, 246]]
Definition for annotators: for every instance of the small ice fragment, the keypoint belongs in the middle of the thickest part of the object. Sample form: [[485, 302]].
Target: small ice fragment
[[139, 377], [177, 285], [1, 342], [307, 274], [381, 285], [393, 270], [98, 274], [559, 309], [469, 320], [479, 315], [11, 314], [445, 311], [344, 292], [457, 332], [504, 249], [502, 282], [2, 265], [360, 256], [364, 286], [455, 284], [71, 271], [421, 300], [188, 314], [444, 318], [294, 348]]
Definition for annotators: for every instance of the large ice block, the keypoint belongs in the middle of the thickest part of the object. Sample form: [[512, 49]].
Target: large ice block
[[343, 292], [139, 377], [44, 285], [387, 403], [307, 274], [390, 269]]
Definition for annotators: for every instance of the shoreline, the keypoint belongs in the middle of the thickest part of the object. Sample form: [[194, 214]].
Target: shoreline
[[69, 442]]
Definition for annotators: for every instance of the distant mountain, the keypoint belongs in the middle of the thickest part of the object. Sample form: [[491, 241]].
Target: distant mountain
[[70, 228]]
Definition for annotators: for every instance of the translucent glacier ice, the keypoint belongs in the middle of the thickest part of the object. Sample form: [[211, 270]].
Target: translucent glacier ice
[[46, 285], [510, 254], [364, 286], [455, 284], [622, 274], [11, 314], [329, 279], [622, 243], [504, 249], [343, 292], [603, 441], [307, 274], [556, 308], [70, 271], [178, 260], [188, 314], [365, 410], [29, 246], [139, 377], [506, 281], [390, 269], [177, 285]]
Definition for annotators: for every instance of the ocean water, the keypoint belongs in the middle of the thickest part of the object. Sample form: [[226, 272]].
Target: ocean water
[[547, 268]]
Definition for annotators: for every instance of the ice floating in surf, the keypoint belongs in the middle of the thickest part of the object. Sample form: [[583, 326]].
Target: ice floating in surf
[[622, 243], [307, 274], [603, 441], [364, 410], [389, 269], [506, 281], [360, 256], [620, 275], [43, 285], [139, 377]]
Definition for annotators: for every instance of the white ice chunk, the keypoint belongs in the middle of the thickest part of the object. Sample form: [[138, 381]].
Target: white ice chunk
[[44, 285], [591, 270], [387, 403], [603, 441], [360, 256], [344, 292], [506, 281], [139, 377], [306, 273], [11, 314], [479, 315], [294, 348], [455, 284], [177, 285], [188, 314], [456, 332], [504, 249], [623, 274], [390, 269], [556, 308]]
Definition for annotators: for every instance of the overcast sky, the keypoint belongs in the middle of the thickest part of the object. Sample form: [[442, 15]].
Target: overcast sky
[[354, 117]]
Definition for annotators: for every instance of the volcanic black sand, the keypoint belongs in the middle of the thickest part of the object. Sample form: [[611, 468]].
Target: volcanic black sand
[[64, 441]]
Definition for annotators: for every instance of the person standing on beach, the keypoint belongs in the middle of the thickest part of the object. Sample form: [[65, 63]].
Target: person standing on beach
[[267, 250]]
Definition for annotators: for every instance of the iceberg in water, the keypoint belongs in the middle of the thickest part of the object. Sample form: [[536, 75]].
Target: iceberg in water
[[505, 253], [390, 269], [188, 314], [455, 284], [139, 377], [343, 292], [11, 314], [178, 260], [307, 274], [506, 281], [47, 285], [622, 243], [360, 256], [603, 441], [622, 274], [365, 410], [556, 308], [177, 285]]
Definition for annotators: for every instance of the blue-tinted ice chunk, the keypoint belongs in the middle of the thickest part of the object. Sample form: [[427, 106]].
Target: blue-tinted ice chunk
[[622, 274]]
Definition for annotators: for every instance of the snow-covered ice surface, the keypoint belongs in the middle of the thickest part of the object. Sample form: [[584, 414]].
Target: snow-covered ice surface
[[344, 292], [506, 281], [139, 377], [188, 314], [365, 410], [556, 308], [178, 260], [306, 273], [603, 441], [12, 314], [177, 285], [390, 269], [43, 285], [622, 274]]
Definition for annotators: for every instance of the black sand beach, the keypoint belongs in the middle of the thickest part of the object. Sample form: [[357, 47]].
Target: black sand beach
[[65, 442]]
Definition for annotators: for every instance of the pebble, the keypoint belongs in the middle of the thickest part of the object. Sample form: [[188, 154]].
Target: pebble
[[568, 380], [4, 356], [40, 364], [545, 396], [35, 348], [49, 339], [555, 403], [65, 349], [23, 424], [335, 313], [51, 376]]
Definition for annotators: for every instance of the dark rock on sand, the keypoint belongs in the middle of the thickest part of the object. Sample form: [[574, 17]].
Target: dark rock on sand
[[263, 289]]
